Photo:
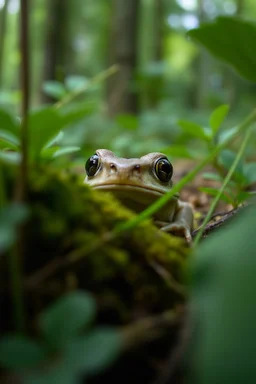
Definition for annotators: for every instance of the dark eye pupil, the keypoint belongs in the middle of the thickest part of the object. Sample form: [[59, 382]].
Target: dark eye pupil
[[164, 170], [92, 165]]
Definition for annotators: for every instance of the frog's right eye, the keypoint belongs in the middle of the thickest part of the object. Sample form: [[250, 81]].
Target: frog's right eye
[[92, 165]]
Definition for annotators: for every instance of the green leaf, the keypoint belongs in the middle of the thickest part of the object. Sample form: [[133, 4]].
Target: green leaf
[[61, 374], [243, 196], [127, 121], [19, 352], [95, 351], [74, 83], [212, 176], [72, 113], [65, 151], [180, 151], [217, 117], [227, 157], [63, 320], [44, 124], [9, 157], [227, 134], [193, 129], [249, 171], [54, 89], [10, 216], [222, 297], [231, 40], [214, 192], [47, 153], [8, 123], [9, 140]]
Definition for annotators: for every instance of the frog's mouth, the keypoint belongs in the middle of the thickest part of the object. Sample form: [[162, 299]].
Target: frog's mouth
[[134, 193]]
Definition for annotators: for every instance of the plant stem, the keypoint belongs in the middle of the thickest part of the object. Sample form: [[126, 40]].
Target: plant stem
[[189, 177], [224, 184]]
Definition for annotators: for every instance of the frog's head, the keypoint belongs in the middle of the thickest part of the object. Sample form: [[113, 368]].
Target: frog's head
[[141, 180]]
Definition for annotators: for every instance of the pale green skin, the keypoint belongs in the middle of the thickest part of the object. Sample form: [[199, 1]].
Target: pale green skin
[[135, 183]]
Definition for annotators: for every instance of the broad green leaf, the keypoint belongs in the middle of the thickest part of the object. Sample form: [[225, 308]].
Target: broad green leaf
[[231, 40], [65, 151], [127, 121], [9, 157], [193, 129], [10, 216], [222, 302], [44, 124], [8, 123], [249, 171], [8, 140], [54, 89], [95, 351], [18, 352], [217, 117], [63, 320]]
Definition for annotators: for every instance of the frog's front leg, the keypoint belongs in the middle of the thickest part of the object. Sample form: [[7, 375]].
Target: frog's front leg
[[182, 221]]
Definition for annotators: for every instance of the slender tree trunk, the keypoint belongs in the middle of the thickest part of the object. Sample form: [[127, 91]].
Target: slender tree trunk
[[203, 66], [56, 41], [2, 37], [123, 51]]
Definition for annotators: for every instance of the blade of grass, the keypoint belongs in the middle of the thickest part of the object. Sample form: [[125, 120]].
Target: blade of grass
[[189, 177], [224, 184]]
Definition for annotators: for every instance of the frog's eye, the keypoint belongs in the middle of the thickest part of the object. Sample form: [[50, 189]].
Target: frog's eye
[[92, 165], [164, 169]]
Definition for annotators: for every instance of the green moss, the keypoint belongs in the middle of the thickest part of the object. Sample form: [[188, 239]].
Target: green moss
[[68, 223]]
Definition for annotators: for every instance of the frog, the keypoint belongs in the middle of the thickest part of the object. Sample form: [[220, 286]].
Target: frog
[[138, 183]]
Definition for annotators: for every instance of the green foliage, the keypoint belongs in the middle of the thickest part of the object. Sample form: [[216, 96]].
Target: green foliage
[[232, 40], [210, 136], [222, 300], [66, 331], [78, 310], [10, 217]]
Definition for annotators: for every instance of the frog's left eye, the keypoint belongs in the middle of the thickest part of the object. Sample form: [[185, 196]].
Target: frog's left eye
[[164, 170], [92, 165]]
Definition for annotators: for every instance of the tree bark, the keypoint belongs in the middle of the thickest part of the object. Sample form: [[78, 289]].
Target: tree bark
[[56, 42], [123, 51], [2, 37]]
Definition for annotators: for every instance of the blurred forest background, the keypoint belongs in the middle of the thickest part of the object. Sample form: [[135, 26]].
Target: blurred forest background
[[129, 63]]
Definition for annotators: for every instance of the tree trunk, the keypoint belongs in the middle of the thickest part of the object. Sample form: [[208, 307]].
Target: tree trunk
[[2, 37], [123, 51], [203, 66], [56, 42]]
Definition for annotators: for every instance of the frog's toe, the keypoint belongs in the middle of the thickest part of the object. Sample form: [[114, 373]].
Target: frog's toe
[[178, 229]]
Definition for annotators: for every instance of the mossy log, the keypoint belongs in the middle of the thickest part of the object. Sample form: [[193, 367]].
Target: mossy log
[[135, 277]]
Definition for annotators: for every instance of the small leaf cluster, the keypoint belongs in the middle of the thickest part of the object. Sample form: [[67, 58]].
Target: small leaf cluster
[[210, 136], [45, 131], [68, 348]]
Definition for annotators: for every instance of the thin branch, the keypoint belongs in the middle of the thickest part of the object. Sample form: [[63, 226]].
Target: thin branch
[[16, 256]]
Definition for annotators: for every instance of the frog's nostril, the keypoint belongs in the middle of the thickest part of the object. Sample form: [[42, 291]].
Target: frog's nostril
[[113, 166]]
